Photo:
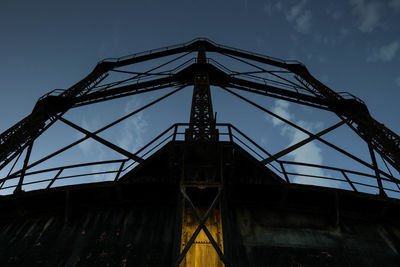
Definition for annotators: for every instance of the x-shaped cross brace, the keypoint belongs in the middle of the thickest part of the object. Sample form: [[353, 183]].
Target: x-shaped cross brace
[[201, 226]]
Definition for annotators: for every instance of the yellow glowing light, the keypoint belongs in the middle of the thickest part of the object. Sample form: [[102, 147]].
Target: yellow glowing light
[[202, 252]]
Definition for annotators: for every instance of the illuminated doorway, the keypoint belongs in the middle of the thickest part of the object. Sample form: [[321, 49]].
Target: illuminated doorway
[[201, 236]]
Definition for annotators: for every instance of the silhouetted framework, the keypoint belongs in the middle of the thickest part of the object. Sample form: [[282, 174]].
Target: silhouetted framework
[[201, 116], [271, 77], [200, 73]]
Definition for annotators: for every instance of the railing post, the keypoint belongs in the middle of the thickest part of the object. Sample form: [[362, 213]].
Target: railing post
[[349, 181], [175, 131], [284, 172], [376, 169], [55, 178], [230, 133], [18, 189], [119, 171]]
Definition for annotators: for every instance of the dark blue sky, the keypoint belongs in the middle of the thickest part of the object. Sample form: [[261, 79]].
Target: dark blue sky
[[350, 45]]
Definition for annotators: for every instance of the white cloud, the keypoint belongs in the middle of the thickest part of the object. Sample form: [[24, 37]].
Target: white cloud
[[303, 22], [90, 147], [394, 4], [135, 128], [280, 108], [368, 13], [95, 151], [278, 6], [264, 141], [130, 137], [295, 10], [102, 177], [87, 145], [385, 53], [300, 17], [309, 153]]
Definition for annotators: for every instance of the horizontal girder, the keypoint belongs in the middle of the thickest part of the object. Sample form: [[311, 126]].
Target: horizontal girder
[[14, 140]]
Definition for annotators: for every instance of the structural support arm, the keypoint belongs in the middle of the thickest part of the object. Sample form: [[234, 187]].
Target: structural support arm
[[351, 110]]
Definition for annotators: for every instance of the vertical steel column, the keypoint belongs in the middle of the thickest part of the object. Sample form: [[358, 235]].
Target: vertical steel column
[[202, 121]]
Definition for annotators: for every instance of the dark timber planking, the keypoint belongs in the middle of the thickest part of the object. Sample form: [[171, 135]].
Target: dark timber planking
[[136, 221]]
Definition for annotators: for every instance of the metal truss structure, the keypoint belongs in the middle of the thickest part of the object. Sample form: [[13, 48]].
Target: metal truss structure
[[265, 76]]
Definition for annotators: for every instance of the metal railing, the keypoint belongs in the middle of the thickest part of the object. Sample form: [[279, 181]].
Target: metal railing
[[227, 132], [181, 45]]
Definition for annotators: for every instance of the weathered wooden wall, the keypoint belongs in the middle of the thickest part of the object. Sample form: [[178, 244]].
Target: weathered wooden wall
[[310, 227], [137, 222], [93, 228]]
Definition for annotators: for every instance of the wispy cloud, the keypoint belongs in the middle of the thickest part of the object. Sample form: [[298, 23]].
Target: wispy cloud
[[368, 14], [271, 7], [394, 4], [344, 32], [300, 17], [337, 14], [385, 53], [87, 146], [309, 153], [135, 128], [91, 147], [297, 15], [110, 45], [397, 81], [280, 108], [95, 151], [333, 39], [130, 136]]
